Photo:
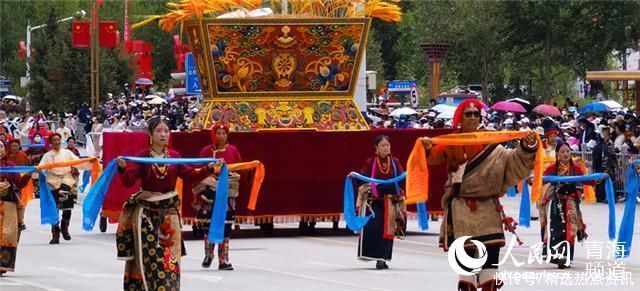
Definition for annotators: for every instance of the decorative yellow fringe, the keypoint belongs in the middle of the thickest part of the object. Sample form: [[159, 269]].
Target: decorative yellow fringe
[[189, 9], [327, 217]]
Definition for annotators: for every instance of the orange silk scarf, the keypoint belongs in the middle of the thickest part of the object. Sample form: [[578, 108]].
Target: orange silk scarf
[[418, 170]]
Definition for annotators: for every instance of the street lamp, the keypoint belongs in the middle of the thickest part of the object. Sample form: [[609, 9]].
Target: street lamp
[[79, 15]]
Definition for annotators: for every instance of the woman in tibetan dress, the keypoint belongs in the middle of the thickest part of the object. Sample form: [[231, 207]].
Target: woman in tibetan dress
[[149, 236]]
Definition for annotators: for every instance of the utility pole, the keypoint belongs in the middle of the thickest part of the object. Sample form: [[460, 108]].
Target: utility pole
[[79, 14], [95, 54]]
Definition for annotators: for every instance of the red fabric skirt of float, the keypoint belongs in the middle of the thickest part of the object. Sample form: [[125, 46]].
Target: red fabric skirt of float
[[305, 170]]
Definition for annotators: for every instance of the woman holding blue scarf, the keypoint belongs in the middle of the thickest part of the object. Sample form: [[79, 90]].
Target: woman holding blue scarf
[[205, 194], [385, 202], [149, 236], [10, 186], [560, 216]]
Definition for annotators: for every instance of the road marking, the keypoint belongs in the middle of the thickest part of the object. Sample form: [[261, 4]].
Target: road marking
[[10, 284], [353, 244], [358, 286], [85, 275], [78, 238], [32, 284], [525, 256], [298, 275], [325, 264], [208, 278]]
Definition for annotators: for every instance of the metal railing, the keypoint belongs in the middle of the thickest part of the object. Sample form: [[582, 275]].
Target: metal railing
[[620, 172]]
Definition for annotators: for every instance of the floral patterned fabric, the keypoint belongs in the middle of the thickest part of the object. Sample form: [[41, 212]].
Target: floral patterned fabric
[[149, 239]]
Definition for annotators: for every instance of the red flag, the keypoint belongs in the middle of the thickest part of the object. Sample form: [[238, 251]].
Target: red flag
[[145, 64], [108, 35], [81, 34]]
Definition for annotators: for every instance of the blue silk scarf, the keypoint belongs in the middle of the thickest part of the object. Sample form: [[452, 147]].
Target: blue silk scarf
[[625, 233], [525, 204], [48, 207], [95, 198]]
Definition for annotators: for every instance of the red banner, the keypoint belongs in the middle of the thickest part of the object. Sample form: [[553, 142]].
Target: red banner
[[108, 35], [145, 63], [81, 34]]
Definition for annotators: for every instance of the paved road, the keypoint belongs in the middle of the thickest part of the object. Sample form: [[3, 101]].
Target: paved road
[[283, 261]]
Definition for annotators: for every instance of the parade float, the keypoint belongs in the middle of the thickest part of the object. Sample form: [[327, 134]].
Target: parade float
[[283, 78]]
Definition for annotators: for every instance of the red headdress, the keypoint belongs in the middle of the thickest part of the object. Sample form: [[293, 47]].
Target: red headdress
[[214, 137], [551, 131], [457, 116]]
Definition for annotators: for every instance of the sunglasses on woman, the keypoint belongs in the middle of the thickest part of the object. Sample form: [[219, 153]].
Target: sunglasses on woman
[[470, 114]]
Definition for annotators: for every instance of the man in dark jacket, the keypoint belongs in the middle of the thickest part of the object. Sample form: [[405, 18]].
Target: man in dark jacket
[[604, 161], [588, 133]]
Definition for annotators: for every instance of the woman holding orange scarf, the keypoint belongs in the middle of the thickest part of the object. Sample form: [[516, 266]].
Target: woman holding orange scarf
[[478, 175]]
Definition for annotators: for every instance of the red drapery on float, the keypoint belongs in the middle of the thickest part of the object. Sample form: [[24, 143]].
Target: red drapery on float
[[305, 171]]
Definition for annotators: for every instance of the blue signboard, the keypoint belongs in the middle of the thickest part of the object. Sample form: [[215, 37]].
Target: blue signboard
[[401, 86], [192, 83]]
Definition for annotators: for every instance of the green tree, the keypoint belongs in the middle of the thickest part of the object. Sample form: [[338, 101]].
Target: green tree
[[375, 60], [60, 74]]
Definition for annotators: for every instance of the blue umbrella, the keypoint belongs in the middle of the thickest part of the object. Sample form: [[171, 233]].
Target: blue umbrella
[[144, 81], [593, 107]]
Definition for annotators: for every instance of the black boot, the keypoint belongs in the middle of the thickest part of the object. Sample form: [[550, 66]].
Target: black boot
[[225, 267], [55, 235], [65, 229], [206, 262], [381, 265], [208, 254]]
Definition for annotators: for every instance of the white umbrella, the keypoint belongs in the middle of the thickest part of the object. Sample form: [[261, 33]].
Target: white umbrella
[[519, 100], [151, 96], [445, 115], [157, 101], [404, 110], [443, 108], [11, 97], [609, 103]]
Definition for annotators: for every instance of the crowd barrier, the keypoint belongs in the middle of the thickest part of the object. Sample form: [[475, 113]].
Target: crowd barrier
[[620, 172]]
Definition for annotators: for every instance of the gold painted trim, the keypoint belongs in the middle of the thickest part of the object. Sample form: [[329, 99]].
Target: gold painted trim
[[613, 75], [207, 55], [215, 94]]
